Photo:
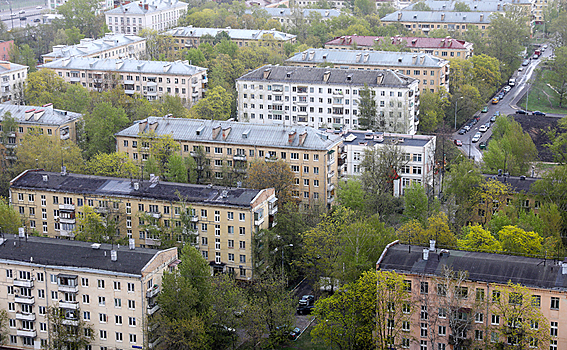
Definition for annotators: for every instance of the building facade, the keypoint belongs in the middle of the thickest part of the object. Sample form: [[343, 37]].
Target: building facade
[[418, 153], [326, 97], [113, 46], [152, 79], [290, 17], [131, 18], [432, 72], [314, 156], [424, 21], [192, 37], [110, 289], [485, 276], [439, 47], [223, 220], [5, 48], [12, 81]]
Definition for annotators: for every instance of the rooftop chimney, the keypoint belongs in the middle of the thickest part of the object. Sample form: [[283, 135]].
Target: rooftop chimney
[[432, 245], [131, 244], [113, 255], [425, 253]]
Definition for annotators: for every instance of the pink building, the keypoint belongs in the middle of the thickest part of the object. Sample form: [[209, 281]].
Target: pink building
[[5, 47]]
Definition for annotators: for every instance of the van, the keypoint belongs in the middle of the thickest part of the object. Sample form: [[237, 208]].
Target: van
[[512, 82]]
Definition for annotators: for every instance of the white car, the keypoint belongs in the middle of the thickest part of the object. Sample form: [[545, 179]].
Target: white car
[[520, 69], [22, 11], [507, 88], [38, 8], [483, 128], [476, 137]]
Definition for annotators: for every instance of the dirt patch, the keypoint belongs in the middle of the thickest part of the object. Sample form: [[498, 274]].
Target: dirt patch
[[537, 128]]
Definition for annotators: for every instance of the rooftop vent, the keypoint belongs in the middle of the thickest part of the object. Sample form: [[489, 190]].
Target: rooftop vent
[[199, 131], [425, 254], [113, 255], [131, 244], [45, 178], [95, 245], [246, 134], [326, 75]]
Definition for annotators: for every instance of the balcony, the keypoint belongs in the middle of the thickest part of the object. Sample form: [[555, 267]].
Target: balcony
[[65, 233], [331, 187], [239, 157], [331, 161], [155, 215], [152, 242], [129, 82], [25, 316], [152, 292], [72, 305], [240, 170], [75, 79], [70, 322], [331, 174], [25, 300], [66, 220], [68, 289], [258, 221], [4, 83], [330, 199], [194, 218], [152, 309], [23, 283], [155, 343], [29, 333], [101, 210], [195, 94], [66, 207], [151, 92], [129, 91]]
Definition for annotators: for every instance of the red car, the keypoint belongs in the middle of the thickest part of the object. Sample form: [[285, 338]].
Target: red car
[[458, 143]]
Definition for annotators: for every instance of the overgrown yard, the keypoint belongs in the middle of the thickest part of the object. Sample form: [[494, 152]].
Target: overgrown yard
[[542, 97], [537, 127]]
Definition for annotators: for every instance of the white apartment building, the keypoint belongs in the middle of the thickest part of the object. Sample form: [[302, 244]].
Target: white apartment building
[[152, 79], [326, 97], [159, 15], [109, 46], [12, 81], [419, 155], [112, 289], [288, 17]]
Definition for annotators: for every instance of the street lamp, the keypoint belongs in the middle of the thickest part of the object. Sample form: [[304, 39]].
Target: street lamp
[[282, 249], [457, 100]]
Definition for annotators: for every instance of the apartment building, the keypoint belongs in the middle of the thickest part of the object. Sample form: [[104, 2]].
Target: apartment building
[[223, 220], [289, 17], [424, 21], [335, 4], [326, 97], [113, 46], [418, 151], [5, 48], [12, 81], [487, 274], [152, 79], [132, 17], [192, 37], [108, 288], [312, 154], [432, 72], [474, 5], [439, 47]]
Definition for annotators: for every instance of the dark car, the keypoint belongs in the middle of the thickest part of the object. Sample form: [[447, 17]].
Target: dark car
[[295, 333], [521, 111], [541, 114], [482, 145], [493, 119], [23, 18], [462, 132], [474, 121], [306, 300], [37, 20]]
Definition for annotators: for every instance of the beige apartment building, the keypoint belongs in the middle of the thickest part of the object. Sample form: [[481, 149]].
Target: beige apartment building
[[151, 79], [474, 294], [223, 220], [111, 289], [314, 156]]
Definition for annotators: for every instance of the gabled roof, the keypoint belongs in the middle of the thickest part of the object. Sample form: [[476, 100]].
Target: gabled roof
[[7, 67], [439, 17], [38, 115], [235, 34], [92, 46], [411, 42], [475, 6], [146, 6], [125, 65], [331, 76], [481, 267], [369, 58], [287, 12], [519, 184]]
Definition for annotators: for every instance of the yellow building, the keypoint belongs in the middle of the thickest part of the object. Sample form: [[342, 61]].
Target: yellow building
[[108, 288], [312, 154], [223, 220]]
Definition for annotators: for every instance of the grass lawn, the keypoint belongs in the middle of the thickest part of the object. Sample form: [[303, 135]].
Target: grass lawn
[[543, 98]]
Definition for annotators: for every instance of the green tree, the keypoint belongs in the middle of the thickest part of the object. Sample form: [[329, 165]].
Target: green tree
[[478, 239], [48, 153], [43, 86], [195, 57], [172, 105], [274, 174], [486, 73], [177, 169], [84, 15], [461, 7], [111, 164], [416, 203], [75, 99], [10, 220], [215, 106], [23, 55], [517, 241], [364, 7], [350, 195], [3, 325], [100, 126], [100, 224], [497, 221], [559, 74], [432, 110], [63, 336], [465, 102], [421, 6], [462, 181], [368, 110]]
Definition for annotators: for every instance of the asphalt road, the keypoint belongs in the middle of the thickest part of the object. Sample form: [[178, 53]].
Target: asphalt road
[[31, 13], [506, 106]]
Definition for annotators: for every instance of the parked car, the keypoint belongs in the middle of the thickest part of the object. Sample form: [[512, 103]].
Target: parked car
[[476, 137], [462, 132], [295, 333], [483, 128], [23, 18], [493, 119], [473, 122], [484, 109], [526, 63], [37, 20], [488, 125], [22, 11], [521, 111], [458, 143], [38, 8], [482, 145], [507, 88], [466, 127], [541, 114], [520, 69], [495, 101]]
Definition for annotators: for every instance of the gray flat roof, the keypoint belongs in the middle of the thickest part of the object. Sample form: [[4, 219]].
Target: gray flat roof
[[135, 8], [261, 135], [92, 46], [336, 76], [475, 6], [124, 188], [38, 115], [438, 17], [369, 58], [12, 67], [373, 138], [237, 34], [65, 253], [124, 65]]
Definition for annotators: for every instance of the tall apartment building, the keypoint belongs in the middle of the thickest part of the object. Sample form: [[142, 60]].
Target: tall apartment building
[[152, 79], [111, 289], [475, 6], [289, 17], [326, 97], [439, 47], [431, 291], [432, 72], [131, 18], [192, 37], [223, 220], [312, 154], [12, 81], [110, 46], [418, 150], [424, 21]]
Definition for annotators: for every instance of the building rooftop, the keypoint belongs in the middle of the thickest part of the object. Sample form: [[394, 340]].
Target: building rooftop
[[411, 42], [33, 115], [126, 66], [146, 6], [330, 76], [475, 6], [75, 254], [370, 58], [438, 17], [235, 34], [287, 12], [369, 138], [481, 267], [518, 184], [125, 188], [92, 46], [7, 67], [237, 133]]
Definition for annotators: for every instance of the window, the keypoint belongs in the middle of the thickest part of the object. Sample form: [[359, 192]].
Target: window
[[407, 285], [553, 344], [87, 315], [242, 216], [423, 314], [478, 334], [405, 343], [131, 304], [11, 306], [132, 338], [42, 310], [132, 321], [100, 284], [442, 313], [423, 329], [442, 330], [495, 296], [495, 320], [102, 318], [102, 334], [84, 282], [86, 299], [553, 330], [406, 308], [424, 288], [9, 273], [536, 301], [101, 301], [405, 326], [53, 295], [554, 303], [243, 259], [118, 319], [117, 302], [479, 294], [116, 285], [130, 287]]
